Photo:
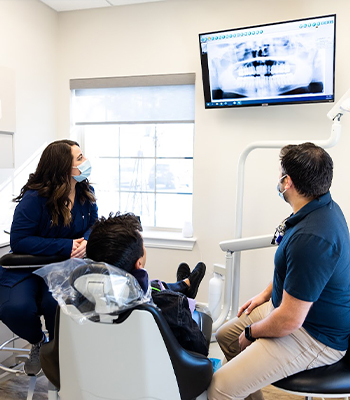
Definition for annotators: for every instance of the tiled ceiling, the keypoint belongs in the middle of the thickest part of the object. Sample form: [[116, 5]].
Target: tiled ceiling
[[70, 5]]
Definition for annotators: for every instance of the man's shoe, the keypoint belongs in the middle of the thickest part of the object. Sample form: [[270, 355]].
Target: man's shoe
[[195, 278], [32, 366], [183, 272]]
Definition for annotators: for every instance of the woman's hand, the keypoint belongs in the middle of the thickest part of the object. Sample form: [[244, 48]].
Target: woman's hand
[[78, 248]]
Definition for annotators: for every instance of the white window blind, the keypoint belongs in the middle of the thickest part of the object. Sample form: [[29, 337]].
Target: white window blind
[[139, 136]]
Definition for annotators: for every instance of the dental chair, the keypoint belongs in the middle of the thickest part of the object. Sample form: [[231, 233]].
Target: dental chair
[[20, 352], [126, 355]]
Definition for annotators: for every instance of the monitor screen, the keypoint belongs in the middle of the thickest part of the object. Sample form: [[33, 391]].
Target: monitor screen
[[278, 63]]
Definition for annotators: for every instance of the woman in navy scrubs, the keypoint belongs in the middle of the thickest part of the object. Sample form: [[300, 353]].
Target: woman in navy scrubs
[[54, 216]]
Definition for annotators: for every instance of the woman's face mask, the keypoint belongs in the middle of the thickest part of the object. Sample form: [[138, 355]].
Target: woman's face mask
[[85, 171]]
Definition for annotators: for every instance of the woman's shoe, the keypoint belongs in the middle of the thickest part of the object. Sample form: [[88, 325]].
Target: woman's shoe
[[32, 364]]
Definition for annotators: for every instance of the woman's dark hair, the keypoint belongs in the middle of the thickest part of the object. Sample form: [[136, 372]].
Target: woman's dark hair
[[116, 240], [52, 180], [310, 168]]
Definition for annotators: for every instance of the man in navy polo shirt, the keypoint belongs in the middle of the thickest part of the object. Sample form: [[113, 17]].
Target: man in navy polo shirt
[[302, 319]]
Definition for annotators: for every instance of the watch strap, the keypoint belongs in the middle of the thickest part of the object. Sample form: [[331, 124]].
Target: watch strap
[[248, 334]]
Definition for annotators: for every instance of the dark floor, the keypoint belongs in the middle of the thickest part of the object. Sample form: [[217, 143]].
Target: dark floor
[[16, 389]]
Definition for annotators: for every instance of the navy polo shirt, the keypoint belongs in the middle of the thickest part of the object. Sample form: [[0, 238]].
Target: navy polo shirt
[[312, 263]]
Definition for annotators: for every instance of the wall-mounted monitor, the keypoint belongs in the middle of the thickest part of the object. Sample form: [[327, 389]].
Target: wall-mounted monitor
[[279, 63]]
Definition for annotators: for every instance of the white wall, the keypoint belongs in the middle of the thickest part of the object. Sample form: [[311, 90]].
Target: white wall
[[160, 38], [28, 48]]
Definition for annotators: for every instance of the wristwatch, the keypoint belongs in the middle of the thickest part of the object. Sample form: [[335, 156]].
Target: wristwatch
[[248, 334]]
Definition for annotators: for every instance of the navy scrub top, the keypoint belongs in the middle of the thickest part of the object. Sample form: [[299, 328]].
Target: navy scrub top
[[32, 233]]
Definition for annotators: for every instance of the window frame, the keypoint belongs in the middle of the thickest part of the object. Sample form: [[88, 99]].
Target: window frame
[[154, 236]]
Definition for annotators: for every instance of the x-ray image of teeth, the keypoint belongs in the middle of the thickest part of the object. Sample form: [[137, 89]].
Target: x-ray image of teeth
[[266, 67]]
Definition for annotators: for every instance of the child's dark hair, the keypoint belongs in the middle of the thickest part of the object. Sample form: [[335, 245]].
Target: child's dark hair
[[116, 240]]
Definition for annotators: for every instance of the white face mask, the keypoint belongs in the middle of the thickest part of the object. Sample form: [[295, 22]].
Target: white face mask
[[278, 188], [85, 171]]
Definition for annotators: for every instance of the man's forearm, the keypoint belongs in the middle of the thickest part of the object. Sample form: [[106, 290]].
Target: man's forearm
[[283, 320], [275, 325]]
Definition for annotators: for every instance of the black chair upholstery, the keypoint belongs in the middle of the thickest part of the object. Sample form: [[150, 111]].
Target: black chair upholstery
[[327, 381], [49, 355], [193, 371], [19, 260], [205, 323]]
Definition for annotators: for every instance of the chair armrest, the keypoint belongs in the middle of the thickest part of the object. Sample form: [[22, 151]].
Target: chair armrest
[[14, 260]]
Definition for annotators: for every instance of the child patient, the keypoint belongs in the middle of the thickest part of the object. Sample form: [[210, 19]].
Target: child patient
[[117, 241]]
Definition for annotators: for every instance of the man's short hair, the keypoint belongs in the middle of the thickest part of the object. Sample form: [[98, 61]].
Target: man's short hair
[[116, 240], [310, 168]]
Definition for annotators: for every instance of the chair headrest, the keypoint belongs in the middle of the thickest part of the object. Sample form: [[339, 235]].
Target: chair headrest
[[107, 289], [111, 292]]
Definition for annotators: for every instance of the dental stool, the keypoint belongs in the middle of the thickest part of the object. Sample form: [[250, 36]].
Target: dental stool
[[129, 356], [12, 260], [330, 381]]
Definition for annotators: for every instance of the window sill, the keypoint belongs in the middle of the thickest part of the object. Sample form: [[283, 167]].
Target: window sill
[[168, 240]]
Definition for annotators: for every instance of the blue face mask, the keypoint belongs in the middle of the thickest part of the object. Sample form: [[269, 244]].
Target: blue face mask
[[85, 171], [278, 188]]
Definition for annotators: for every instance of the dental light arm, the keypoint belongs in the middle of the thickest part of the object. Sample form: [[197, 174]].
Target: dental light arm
[[337, 111], [342, 106], [256, 242], [230, 247]]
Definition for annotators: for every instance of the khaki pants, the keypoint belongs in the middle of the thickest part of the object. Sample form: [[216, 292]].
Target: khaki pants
[[266, 360]]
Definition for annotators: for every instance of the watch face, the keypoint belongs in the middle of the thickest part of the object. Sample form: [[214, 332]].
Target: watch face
[[247, 332], [248, 335]]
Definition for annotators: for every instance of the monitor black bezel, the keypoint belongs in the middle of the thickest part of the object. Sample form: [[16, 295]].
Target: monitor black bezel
[[260, 103]]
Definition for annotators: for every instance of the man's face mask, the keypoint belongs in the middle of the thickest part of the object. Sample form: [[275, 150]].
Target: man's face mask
[[278, 188], [85, 171]]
